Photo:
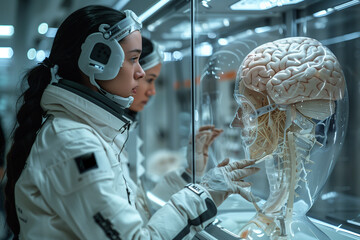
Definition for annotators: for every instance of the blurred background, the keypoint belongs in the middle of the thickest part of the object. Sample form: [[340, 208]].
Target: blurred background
[[191, 33]]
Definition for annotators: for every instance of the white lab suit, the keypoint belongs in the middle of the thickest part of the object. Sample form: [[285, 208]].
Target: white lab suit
[[73, 186]]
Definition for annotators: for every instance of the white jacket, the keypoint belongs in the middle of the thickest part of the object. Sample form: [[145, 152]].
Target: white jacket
[[73, 187]]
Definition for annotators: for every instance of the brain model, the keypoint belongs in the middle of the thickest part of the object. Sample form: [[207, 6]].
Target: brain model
[[293, 69]]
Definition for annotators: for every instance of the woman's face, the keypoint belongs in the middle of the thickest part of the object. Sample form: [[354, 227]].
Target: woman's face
[[125, 84], [146, 88]]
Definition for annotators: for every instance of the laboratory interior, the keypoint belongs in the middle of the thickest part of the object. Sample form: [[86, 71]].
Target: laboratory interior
[[220, 58]]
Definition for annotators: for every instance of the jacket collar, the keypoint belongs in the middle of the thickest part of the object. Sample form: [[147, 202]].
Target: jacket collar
[[57, 100]]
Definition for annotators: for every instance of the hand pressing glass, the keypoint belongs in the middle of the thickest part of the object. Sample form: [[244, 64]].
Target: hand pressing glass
[[227, 178], [203, 139]]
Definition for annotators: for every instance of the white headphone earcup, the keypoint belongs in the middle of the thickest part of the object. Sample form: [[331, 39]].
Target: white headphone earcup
[[101, 57]]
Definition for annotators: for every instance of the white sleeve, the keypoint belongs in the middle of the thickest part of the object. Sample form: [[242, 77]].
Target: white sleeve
[[89, 195]]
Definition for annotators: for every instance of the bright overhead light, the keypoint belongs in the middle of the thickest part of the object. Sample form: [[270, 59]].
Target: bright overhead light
[[205, 4], [253, 5], [262, 29], [154, 25], [223, 41], [205, 49], [43, 28], [40, 55], [6, 52], [167, 56], [31, 53], [152, 10], [346, 5], [6, 30], [323, 13], [177, 55]]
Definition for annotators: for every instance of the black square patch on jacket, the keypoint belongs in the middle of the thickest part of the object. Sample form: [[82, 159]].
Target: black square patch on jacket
[[86, 162]]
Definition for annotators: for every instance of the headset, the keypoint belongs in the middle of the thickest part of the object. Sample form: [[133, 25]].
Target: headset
[[101, 54]]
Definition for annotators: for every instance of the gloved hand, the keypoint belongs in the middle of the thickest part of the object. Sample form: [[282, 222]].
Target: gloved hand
[[227, 178], [203, 139]]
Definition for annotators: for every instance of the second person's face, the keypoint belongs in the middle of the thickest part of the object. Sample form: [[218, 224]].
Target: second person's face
[[125, 84], [146, 88]]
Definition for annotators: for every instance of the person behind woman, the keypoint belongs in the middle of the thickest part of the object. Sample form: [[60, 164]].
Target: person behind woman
[[151, 60], [65, 179]]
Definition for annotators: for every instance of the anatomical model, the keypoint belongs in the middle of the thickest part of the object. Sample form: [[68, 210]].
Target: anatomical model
[[292, 111]]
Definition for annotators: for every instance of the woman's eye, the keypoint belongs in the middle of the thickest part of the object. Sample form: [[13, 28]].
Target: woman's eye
[[134, 59]]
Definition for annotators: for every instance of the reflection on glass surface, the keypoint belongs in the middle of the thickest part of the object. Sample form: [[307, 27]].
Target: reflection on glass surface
[[339, 30]]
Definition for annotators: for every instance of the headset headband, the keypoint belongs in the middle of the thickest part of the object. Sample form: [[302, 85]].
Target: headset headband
[[153, 59], [123, 28]]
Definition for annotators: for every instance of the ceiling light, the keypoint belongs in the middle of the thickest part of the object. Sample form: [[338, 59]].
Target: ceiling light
[[167, 56], [43, 28], [205, 4], [31, 53], [177, 55], [40, 55], [223, 41], [6, 52], [262, 29], [153, 9], [323, 13], [346, 5], [204, 49], [253, 5], [6, 30]]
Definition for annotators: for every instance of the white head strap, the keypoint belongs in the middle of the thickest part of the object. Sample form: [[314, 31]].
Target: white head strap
[[153, 59], [123, 28]]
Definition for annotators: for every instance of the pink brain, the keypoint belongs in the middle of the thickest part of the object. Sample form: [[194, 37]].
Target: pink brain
[[292, 70]]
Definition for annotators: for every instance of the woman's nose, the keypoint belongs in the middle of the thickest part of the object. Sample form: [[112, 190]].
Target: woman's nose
[[140, 73], [151, 91]]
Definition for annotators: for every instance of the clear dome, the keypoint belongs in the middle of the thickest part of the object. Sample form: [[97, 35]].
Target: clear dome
[[290, 114]]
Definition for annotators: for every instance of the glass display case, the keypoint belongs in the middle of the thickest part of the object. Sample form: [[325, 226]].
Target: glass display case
[[207, 46], [276, 78]]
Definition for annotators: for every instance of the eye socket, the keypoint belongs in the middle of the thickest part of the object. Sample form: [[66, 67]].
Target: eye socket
[[134, 59], [150, 80]]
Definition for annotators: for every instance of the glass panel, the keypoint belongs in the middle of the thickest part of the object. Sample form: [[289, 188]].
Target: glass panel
[[321, 150], [165, 122], [337, 26]]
